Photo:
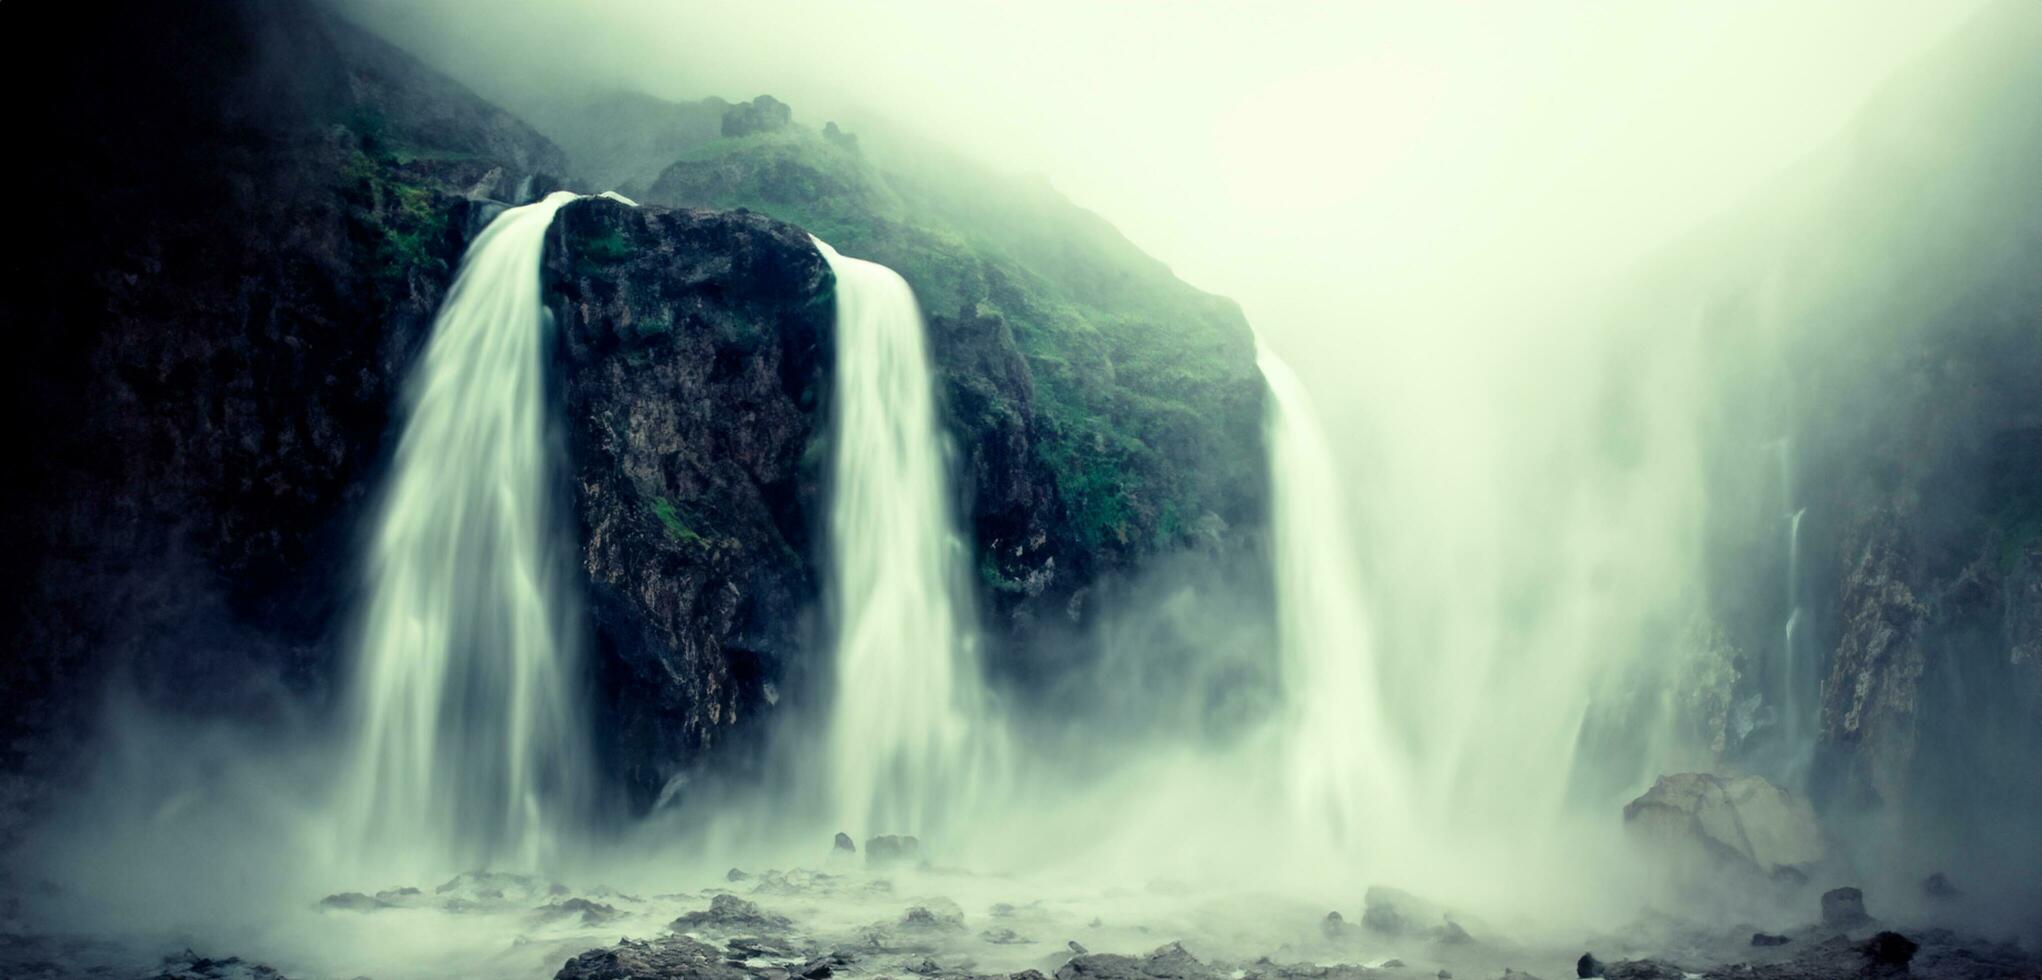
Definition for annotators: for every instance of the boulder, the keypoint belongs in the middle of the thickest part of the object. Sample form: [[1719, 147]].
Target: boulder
[[1742, 822], [843, 844], [729, 913], [1589, 966], [890, 849], [1844, 908]]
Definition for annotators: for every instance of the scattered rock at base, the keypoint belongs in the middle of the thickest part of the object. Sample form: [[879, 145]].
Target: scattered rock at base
[[1697, 819], [665, 958], [735, 874], [590, 913], [352, 902], [890, 849], [1768, 939], [191, 966], [1589, 966], [1395, 911], [1169, 962], [730, 913], [937, 915], [1844, 908], [843, 844], [1642, 970], [1392, 964], [1333, 925], [1077, 947], [1938, 886], [1003, 936], [1889, 950]]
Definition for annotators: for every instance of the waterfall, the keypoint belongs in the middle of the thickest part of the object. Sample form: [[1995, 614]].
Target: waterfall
[[1341, 771], [902, 732], [464, 701]]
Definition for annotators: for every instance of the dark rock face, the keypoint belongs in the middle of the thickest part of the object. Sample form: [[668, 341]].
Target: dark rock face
[[233, 261], [693, 358]]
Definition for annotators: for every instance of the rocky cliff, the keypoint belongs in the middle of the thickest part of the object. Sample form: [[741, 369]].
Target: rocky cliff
[[233, 271], [1881, 363]]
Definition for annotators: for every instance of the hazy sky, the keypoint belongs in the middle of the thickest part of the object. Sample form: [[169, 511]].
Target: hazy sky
[[1318, 162]]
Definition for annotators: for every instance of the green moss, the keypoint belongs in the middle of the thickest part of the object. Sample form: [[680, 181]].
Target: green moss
[[405, 226], [1137, 377], [592, 254], [676, 526]]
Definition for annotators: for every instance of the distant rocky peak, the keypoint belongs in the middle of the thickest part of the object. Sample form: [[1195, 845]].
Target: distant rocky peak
[[764, 114]]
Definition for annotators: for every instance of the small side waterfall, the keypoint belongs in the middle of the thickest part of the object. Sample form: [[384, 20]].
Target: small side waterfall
[[469, 744], [903, 738], [1797, 686], [1341, 770]]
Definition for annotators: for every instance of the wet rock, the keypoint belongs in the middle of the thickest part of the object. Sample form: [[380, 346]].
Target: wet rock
[[1394, 911], [1642, 970], [1702, 819], [1889, 950], [843, 844], [1393, 964], [1027, 975], [191, 966], [1003, 936], [1938, 886], [1333, 925], [590, 913], [351, 902], [495, 887], [1444, 975], [665, 958], [729, 913], [817, 969], [1169, 962], [890, 849], [758, 947], [1078, 947], [735, 875], [1768, 939], [1844, 908], [1589, 966], [1452, 934], [939, 915]]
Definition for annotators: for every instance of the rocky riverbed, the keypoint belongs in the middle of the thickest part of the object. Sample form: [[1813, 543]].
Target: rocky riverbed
[[878, 911]]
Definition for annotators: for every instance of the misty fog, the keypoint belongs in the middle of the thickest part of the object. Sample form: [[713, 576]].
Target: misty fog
[[1644, 421]]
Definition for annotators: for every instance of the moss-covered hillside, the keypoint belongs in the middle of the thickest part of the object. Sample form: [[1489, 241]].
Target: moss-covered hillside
[[1136, 395]]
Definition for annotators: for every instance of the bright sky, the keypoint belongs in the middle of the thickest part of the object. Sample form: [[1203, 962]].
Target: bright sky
[[1316, 161]]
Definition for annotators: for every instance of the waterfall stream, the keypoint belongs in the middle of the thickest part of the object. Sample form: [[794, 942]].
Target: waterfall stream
[[468, 736], [907, 717], [1341, 772]]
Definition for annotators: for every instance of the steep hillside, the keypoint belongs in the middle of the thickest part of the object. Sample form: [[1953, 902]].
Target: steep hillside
[[1107, 410]]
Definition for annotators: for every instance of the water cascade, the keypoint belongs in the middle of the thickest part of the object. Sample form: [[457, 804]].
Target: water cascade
[[469, 744], [1341, 771], [1796, 684], [905, 733]]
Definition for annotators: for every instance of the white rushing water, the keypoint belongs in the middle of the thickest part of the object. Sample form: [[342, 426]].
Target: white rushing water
[[469, 744], [1342, 773], [903, 736]]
